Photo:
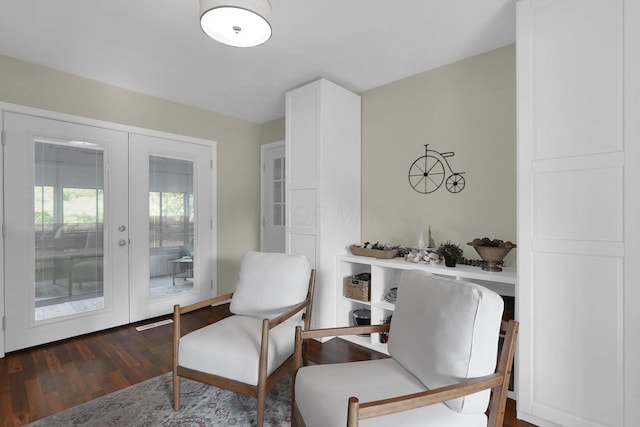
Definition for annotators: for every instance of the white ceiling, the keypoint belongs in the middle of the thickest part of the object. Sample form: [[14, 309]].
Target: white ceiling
[[157, 47]]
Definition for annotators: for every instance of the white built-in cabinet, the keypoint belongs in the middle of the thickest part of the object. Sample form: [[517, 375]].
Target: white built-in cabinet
[[578, 65], [322, 149], [385, 275]]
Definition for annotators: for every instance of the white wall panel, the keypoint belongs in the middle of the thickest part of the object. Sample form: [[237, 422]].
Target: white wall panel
[[306, 244], [301, 110], [578, 306], [303, 208], [566, 203], [577, 53], [303, 244]]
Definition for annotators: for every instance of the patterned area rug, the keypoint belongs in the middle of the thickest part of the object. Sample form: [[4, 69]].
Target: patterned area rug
[[148, 404]]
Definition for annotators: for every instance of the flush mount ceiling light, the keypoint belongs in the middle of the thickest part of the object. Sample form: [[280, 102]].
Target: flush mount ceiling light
[[240, 23]]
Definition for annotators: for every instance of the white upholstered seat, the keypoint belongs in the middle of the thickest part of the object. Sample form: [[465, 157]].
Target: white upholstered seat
[[251, 350], [327, 389], [443, 332], [230, 348]]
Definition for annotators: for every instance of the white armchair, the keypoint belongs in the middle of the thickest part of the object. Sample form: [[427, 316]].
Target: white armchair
[[443, 343], [250, 351]]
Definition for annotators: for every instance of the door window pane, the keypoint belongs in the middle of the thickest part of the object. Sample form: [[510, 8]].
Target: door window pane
[[278, 196], [43, 209], [68, 225], [278, 214], [278, 169], [171, 219], [278, 192]]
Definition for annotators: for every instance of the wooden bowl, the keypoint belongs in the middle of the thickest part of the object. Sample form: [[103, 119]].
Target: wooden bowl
[[491, 255]]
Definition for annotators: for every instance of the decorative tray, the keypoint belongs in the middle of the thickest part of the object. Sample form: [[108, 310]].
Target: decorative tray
[[375, 253]]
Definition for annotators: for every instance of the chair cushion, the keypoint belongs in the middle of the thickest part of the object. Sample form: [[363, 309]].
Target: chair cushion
[[322, 393], [230, 348], [444, 330], [270, 283]]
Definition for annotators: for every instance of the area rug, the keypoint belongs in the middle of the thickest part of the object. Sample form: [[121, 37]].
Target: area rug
[[148, 404]]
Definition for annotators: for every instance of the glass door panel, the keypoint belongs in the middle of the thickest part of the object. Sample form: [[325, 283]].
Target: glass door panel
[[171, 226], [279, 191], [68, 213], [273, 203], [171, 220]]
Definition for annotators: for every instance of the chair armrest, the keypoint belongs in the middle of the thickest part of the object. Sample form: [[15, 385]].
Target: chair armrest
[[205, 303], [306, 303], [301, 335], [287, 315], [267, 325], [417, 400], [347, 330], [179, 311]]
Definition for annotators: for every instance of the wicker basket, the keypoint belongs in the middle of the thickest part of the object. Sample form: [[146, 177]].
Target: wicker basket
[[375, 253], [358, 287]]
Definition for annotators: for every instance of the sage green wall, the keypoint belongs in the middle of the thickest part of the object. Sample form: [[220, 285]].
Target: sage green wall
[[273, 131], [468, 107], [238, 143]]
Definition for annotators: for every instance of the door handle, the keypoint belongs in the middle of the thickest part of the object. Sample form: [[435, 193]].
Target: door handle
[[122, 242]]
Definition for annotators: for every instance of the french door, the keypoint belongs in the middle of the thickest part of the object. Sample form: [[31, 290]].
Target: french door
[[66, 216], [102, 227], [273, 203], [171, 225]]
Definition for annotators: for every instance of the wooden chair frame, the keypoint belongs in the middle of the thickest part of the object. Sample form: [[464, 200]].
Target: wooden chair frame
[[498, 382], [265, 383]]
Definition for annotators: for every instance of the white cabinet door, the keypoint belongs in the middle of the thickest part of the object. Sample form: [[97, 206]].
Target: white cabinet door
[[571, 212], [302, 146], [303, 127]]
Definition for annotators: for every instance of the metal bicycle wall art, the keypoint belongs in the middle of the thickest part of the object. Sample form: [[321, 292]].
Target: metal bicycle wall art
[[427, 173]]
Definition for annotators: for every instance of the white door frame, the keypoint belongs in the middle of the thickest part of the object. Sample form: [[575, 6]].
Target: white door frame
[[7, 107], [2, 222], [263, 214]]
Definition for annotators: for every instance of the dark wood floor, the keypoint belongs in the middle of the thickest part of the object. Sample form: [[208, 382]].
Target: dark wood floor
[[47, 379]]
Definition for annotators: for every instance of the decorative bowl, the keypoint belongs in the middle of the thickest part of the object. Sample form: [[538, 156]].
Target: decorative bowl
[[491, 255]]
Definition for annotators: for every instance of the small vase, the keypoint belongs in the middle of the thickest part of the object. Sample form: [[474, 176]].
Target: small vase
[[421, 244], [449, 262]]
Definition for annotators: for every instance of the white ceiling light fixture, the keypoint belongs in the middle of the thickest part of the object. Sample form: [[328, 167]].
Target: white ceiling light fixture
[[239, 23]]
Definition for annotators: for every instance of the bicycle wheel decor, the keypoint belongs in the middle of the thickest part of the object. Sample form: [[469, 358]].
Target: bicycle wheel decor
[[427, 173]]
